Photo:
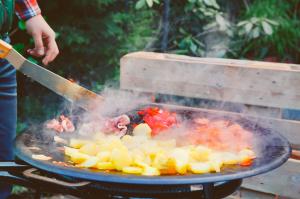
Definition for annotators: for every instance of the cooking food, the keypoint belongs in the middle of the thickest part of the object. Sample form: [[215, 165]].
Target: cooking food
[[63, 124], [153, 148], [41, 157]]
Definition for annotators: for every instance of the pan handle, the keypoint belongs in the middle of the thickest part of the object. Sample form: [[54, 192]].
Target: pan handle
[[30, 174], [4, 49]]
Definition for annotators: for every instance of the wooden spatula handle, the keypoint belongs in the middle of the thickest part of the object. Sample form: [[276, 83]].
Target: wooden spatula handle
[[4, 49]]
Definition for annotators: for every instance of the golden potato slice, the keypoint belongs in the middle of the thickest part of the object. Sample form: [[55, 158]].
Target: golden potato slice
[[90, 162], [200, 167], [151, 171], [160, 161], [89, 149], [105, 166], [110, 144], [69, 151], [120, 158], [142, 129], [200, 153], [181, 158], [150, 148], [215, 165], [78, 157], [77, 143], [230, 158], [140, 163], [246, 154], [104, 156], [40, 157], [132, 170], [127, 140]]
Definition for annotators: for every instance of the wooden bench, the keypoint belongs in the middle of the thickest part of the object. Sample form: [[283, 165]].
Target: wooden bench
[[262, 89]]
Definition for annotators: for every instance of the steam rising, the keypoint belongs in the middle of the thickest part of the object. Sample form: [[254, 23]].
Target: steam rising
[[121, 102]]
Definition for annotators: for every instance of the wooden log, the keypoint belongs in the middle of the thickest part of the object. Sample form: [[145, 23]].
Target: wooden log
[[253, 83]]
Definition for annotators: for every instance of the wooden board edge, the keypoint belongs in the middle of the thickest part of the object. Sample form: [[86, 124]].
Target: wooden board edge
[[212, 61]]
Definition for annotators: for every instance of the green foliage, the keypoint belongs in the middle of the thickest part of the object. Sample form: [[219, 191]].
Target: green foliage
[[93, 35], [19, 190], [255, 27], [199, 18], [269, 28], [143, 3], [21, 25]]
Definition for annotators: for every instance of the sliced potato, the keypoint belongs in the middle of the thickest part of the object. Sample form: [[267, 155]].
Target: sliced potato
[[142, 129], [77, 143], [89, 149], [69, 151], [110, 144], [41, 157], [90, 162], [200, 167], [121, 158], [230, 158], [215, 165], [181, 159], [104, 156], [127, 140], [132, 170], [151, 171], [105, 166], [246, 154], [78, 157], [140, 163], [200, 153], [160, 161]]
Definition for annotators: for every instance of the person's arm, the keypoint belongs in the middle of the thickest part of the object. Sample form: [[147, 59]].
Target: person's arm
[[37, 27]]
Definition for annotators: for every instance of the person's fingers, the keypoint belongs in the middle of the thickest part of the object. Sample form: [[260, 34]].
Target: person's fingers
[[39, 49], [51, 51]]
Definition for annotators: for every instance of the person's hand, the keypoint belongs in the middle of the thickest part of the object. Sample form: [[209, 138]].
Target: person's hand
[[44, 39]]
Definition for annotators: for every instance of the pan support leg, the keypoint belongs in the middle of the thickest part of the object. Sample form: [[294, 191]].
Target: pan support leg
[[208, 191]]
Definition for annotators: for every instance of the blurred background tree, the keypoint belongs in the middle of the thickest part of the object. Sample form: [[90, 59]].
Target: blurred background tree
[[93, 35]]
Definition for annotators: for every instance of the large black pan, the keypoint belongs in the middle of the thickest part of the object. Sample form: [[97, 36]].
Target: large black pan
[[273, 151]]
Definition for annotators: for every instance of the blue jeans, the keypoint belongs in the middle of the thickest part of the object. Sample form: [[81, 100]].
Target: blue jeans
[[8, 116]]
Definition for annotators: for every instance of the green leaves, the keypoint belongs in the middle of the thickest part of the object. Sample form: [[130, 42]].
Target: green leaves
[[189, 44], [267, 28], [142, 3], [211, 3], [33, 60], [21, 25], [20, 47], [256, 27], [150, 3]]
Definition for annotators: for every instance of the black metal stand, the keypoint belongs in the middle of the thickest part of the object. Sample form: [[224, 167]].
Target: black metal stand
[[208, 191], [62, 185]]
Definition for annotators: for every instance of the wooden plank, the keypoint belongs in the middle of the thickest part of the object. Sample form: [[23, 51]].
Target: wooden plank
[[283, 181], [254, 83]]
